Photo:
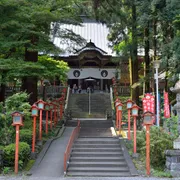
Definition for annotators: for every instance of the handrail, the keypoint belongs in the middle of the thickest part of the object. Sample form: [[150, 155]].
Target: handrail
[[89, 101], [111, 97], [73, 136], [67, 98]]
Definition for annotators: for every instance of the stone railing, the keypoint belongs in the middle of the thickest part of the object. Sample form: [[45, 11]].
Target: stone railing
[[49, 91]]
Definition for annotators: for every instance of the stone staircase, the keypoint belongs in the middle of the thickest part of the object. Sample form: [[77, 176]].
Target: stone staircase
[[78, 105], [96, 153]]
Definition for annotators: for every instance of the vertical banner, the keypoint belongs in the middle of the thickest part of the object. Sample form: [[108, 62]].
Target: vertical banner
[[149, 104], [166, 105]]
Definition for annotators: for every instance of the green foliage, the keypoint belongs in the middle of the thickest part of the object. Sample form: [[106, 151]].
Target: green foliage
[[172, 126], [26, 136], [9, 151], [160, 173], [17, 102], [159, 142], [6, 170]]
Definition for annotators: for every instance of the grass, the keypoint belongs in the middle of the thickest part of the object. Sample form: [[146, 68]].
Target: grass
[[29, 165]]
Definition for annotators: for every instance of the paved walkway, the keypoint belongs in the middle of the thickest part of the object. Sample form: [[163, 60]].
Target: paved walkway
[[52, 163]]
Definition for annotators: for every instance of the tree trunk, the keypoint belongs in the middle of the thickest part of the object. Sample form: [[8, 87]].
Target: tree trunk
[[135, 77], [2, 89], [29, 84], [147, 59]]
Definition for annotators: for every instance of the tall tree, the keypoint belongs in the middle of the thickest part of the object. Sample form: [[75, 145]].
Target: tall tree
[[27, 28]]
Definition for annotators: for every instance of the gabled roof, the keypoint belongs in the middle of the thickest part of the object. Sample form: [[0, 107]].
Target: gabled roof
[[91, 31]]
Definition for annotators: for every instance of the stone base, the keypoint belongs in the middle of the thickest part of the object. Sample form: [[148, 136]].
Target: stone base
[[173, 162], [33, 155], [135, 155], [39, 142], [176, 143]]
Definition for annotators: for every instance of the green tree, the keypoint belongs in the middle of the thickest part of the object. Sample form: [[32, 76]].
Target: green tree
[[28, 27]]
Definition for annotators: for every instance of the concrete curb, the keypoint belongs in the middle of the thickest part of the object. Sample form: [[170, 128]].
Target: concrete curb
[[128, 159], [44, 150]]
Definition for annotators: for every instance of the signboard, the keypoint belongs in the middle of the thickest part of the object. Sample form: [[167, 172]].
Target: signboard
[[91, 72], [166, 105], [149, 104]]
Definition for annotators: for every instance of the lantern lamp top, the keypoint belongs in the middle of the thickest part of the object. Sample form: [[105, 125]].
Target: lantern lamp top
[[156, 64], [135, 108], [148, 120], [129, 103], [40, 104], [17, 113], [34, 107], [17, 118], [47, 107], [117, 99], [119, 104]]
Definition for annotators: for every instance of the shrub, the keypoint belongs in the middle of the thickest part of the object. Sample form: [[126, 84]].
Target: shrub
[[26, 136], [159, 142], [9, 154]]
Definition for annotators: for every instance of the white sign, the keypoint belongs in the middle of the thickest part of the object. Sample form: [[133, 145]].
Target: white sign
[[91, 72]]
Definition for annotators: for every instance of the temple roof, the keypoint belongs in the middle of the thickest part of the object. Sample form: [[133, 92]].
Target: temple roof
[[92, 32]]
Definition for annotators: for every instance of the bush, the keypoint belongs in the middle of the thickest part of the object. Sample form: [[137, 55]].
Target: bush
[[26, 136], [159, 142], [9, 154]]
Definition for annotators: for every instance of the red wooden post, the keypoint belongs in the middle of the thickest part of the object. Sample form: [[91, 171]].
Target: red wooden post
[[47, 122], [34, 134], [129, 124], [17, 121], [134, 134], [51, 114], [117, 117], [17, 149], [41, 107], [40, 125], [120, 120], [148, 121], [129, 106], [148, 149], [135, 110], [61, 110]]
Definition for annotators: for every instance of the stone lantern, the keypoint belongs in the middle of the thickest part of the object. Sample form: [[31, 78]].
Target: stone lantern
[[173, 156]]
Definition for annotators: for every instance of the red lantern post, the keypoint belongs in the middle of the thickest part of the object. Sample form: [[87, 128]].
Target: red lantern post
[[51, 115], [17, 121], [129, 106], [119, 108], [41, 107], [47, 108], [148, 121], [117, 116], [135, 110], [34, 114]]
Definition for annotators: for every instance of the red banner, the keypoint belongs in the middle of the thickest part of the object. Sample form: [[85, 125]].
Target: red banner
[[166, 105], [149, 104]]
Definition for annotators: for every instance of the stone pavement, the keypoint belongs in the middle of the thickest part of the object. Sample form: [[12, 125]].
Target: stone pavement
[[85, 178], [51, 164]]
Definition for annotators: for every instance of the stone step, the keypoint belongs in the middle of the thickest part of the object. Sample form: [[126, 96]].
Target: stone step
[[97, 154], [99, 174], [98, 164], [96, 149], [98, 146], [98, 169], [98, 159]]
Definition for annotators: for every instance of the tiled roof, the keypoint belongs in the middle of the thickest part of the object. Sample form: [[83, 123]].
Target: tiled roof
[[90, 31]]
